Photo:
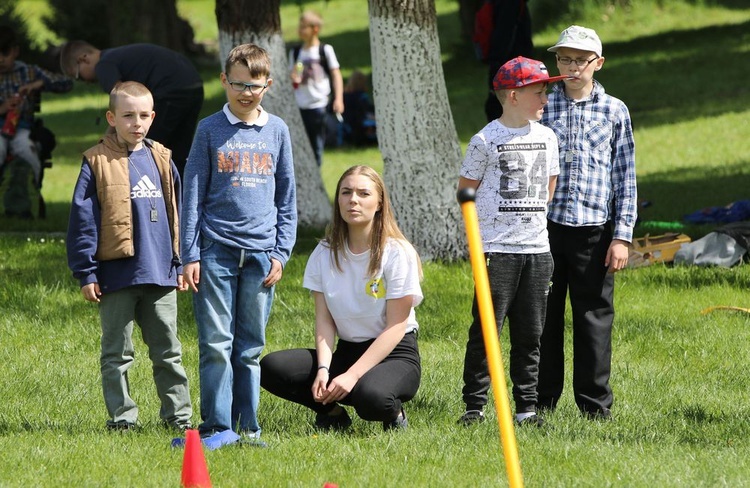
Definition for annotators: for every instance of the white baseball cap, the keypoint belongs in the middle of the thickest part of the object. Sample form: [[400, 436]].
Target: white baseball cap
[[578, 37]]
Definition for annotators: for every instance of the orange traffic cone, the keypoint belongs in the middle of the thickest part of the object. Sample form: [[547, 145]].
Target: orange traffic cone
[[194, 469]]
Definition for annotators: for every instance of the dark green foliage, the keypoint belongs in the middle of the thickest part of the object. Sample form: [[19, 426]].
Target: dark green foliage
[[80, 19], [10, 17]]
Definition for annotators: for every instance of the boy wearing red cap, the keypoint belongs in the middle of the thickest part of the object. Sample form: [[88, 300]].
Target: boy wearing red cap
[[512, 163], [591, 219]]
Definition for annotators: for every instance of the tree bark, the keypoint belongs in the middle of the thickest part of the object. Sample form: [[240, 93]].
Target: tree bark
[[259, 22], [416, 133]]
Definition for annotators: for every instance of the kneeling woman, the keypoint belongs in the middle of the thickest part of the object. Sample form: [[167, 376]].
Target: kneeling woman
[[364, 278]]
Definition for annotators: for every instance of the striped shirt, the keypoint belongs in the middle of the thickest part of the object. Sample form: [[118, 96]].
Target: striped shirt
[[597, 161]]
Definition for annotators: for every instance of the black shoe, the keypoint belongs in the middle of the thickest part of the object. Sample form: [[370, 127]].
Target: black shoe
[[120, 425], [179, 427], [601, 414], [323, 421], [546, 404], [533, 421], [400, 422], [471, 417]]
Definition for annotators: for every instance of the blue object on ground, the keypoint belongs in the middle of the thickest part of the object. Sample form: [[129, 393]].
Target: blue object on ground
[[220, 439], [734, 212]]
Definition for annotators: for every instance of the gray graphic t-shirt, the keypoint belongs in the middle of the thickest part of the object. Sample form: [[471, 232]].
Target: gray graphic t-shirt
[[513, 167]]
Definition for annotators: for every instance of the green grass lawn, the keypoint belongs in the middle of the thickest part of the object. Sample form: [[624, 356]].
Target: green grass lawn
[[679, 376]]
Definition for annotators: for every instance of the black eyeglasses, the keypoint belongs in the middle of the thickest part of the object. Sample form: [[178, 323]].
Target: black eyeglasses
[[239, 86], [581, 63]]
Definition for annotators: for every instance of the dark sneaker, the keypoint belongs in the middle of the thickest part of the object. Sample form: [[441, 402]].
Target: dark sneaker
[[120, 425], [602, 414], [180, 427], [400, 423], [533, 421], [323, 421], [471, 417]]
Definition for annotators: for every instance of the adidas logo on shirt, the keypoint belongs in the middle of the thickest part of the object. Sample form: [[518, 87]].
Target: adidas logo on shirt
[[145, 188]]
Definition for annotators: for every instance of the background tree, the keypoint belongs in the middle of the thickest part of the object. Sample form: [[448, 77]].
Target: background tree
[[259, 22], [416, 133], [9, 16], [109, 24]]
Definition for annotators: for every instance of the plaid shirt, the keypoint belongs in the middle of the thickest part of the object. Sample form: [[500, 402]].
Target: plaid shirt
[[597, 161], [23, 74]]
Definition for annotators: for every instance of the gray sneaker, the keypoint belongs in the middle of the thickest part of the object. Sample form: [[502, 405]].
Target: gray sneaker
[[252, 439], [120, 425]]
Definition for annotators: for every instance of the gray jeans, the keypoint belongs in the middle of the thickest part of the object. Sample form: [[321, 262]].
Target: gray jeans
[[519, 285], [154, 309]]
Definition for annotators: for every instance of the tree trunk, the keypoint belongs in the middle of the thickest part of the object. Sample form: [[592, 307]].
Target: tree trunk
[[416, 133], [259, 22]]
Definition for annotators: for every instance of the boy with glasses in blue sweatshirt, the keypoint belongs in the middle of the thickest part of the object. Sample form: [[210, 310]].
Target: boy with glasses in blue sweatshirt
[[238, 229]]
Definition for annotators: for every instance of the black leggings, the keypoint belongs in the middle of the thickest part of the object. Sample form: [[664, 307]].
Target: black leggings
[[378, 395]]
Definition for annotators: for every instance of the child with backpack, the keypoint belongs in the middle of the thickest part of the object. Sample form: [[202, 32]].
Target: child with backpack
[[317, 80]]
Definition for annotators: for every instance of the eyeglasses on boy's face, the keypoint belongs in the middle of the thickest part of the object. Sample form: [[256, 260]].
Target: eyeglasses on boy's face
[[581, 63], [240, 87]]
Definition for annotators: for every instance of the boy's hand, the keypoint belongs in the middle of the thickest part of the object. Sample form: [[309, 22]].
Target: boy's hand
[[181, 285], [274, 276], [91, 292], [192, 275], [10, 103], [617, 256], [30, 87], [338, 105]]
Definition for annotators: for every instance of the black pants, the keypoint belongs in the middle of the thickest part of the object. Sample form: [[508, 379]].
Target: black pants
[[579, 254], [315, 127], [379, 393], [175, 122], [519, 284]]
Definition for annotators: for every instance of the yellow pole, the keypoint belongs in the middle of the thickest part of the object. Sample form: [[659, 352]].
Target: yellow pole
[[466, 197]]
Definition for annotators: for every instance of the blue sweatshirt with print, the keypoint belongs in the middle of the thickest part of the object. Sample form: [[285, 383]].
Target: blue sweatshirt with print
[[239, 187]]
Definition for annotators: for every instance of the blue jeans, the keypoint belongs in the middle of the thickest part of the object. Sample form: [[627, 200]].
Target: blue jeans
[[231, 309]]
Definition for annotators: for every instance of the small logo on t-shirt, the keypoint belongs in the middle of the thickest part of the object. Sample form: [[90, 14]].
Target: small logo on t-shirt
[[375, 288], [145, 188]]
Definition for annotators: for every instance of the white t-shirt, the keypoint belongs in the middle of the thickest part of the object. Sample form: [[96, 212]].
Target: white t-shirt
[[356, 302], [315, 88], [513, 167]]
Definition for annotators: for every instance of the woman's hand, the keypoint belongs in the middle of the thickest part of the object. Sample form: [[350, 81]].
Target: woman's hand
[[319, 385], [339, 388]]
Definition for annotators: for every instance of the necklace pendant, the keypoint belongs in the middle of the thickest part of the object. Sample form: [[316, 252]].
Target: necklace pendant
[[154, 215]]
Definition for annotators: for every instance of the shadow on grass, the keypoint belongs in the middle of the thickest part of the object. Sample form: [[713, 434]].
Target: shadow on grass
[[678, 192], [665, 77]]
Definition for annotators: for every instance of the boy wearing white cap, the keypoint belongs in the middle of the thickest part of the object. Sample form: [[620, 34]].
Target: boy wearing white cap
[[512, 164], [590, 222]]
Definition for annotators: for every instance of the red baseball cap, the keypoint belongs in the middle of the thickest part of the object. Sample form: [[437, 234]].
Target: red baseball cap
[[520, 72]]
